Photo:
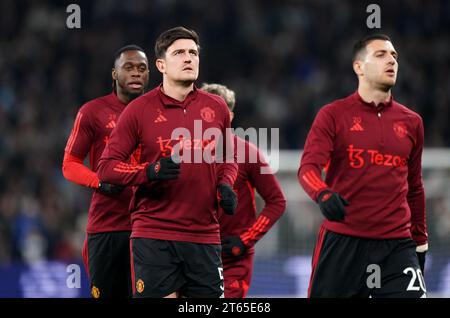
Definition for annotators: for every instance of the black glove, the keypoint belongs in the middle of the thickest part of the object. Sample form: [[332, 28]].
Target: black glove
[[332, 205], [233, 246], [163, 169], [421, 257], [109, 189], [227, 198]]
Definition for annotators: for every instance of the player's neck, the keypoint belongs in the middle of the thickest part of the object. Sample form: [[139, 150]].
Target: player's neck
[[123, 97], [176, 90], [369, 94]]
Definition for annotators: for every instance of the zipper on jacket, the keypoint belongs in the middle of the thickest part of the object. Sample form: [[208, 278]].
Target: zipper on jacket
[[380, 120]]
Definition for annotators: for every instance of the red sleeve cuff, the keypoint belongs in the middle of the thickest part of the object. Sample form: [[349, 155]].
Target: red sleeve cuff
[[74, 170]]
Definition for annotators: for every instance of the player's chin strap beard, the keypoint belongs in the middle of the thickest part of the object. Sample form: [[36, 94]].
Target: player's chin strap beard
[[386, 87], [132, 96], [186, 83]]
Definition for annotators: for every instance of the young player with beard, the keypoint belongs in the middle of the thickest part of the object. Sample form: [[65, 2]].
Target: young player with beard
[[106, 251], [373, 197], [175, 232]]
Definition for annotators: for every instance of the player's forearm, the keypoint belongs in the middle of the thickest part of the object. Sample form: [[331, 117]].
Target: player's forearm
[[270, 190], [275, 205], [121, 173], [262, 224], [416, 202], [419, 234], [310, 179], [227, 168], [74, 170]]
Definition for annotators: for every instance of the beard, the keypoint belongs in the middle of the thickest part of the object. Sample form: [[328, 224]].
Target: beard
[[133, 95], [130, 94], [385, 85], [186, 82]]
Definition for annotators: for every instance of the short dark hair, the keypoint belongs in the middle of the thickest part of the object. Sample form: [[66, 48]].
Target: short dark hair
[[129, 47], [166, 39], [362, 43]]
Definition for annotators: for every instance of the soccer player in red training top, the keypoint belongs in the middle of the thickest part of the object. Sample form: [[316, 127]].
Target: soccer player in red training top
[[374, 236], [241, 231], [175, 230], [106, 251]]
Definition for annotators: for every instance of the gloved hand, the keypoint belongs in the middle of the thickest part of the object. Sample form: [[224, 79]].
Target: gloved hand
[[163, 169], [233, 246], [109, 189], [227, 198], [421, 257], [332, 205]]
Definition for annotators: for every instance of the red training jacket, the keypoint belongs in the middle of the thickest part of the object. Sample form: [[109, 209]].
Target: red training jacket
[[93, 125], [184, 209], [373, 159]]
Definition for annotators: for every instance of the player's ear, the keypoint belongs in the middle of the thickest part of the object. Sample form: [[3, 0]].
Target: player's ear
[[161, 65], [114, 74], [357, 67]]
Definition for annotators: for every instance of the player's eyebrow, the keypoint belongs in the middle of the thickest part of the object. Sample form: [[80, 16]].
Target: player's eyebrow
[[133, 63], [380, 51], [178, 51], [394, 53]]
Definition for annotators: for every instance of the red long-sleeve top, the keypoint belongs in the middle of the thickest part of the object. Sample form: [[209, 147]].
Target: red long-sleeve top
[[372, 156], [254, 173], [184, 209], [90, 133]]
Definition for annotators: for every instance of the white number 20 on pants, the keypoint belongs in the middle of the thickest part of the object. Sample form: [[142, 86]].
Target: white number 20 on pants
[[416, 275]]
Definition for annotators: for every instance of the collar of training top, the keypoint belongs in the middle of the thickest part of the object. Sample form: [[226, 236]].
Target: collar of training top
[[381, 105], [116, 99], [169, 101]]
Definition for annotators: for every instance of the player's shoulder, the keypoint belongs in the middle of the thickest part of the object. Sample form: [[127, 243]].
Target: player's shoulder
[[212, 100], [251, 150], [241, 142], [340, 105], [207, 96], [147, 98], [150, 96], [94, 104], [406, 111]]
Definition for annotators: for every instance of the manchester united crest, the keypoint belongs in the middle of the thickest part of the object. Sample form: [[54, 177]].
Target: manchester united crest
[[140, 286], [95, 292], [207, 114], [400, 129]]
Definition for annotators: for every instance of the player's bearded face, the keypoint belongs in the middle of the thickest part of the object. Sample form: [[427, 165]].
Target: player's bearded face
[[380, 65], [181, 62], [132, 73]]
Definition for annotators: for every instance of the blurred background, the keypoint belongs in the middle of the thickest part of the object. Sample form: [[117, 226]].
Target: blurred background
[[284, 59]]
